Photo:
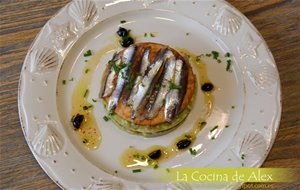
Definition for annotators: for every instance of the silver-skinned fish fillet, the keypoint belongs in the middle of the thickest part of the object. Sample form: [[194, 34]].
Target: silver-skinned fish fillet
[[163, 89], [173, 98], [110, 81], [146, 82], [142, 70], [122, 78]]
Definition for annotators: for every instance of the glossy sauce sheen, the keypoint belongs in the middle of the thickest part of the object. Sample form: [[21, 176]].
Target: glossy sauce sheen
[[133, 158], [88, 133]]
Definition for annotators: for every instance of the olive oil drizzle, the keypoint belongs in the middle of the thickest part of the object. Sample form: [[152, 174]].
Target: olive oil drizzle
[[88, 132], [133, 158]]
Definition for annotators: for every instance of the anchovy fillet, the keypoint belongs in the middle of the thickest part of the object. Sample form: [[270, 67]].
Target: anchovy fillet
[[175, 96], [146, 82], [142, 70], [110, 82], [159, 101], [122, 77]]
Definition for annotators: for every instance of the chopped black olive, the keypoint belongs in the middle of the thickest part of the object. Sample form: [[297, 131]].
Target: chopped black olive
[[183, 144], [122, 32], [155, 154], [206, 87], [126, 42], [77, 121]]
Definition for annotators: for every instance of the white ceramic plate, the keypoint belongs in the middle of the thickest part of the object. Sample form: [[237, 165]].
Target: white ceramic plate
[[252, 88]]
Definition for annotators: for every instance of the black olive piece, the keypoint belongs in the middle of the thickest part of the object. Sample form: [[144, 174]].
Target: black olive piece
[[122, 32], [183, 143], [126, 42], [206, 87], [77, 121], [155, 154]]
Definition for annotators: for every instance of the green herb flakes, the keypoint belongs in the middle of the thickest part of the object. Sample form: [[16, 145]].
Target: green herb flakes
[[136, 170], [228, 65], [87, 107], [123, 21], [87, 53], [145, 34], [64, 82], [193, 151], [94, 100], [105, 118], [86, 71], [227, 54], [86, 93], [243, 156], [116, 67], [215, 127], [152, 35], [173, 86], [215, 55], [155, 166]]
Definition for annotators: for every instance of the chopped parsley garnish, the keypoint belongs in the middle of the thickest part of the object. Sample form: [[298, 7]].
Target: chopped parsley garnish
[[111, 113], [155, 166], [116, 171], [215, 54], [174, 86], [203, 123], [116, 67], [122, 75], [187, 34], [130, 83], [243, 156], [123, 21], [142, 84], [219, 61], [227, 54], [87, 53], [232, 107], [215, 127], [193, 151], [168, 170], [64, 82], [94, 100], [105, 118], [85, 141], [87, 70], [213, 138], [228, 65], [150, 34], [86, 93], [72, 79], [136, 170], [208, 55], [226, 126], [163, 101], [87, 107]]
